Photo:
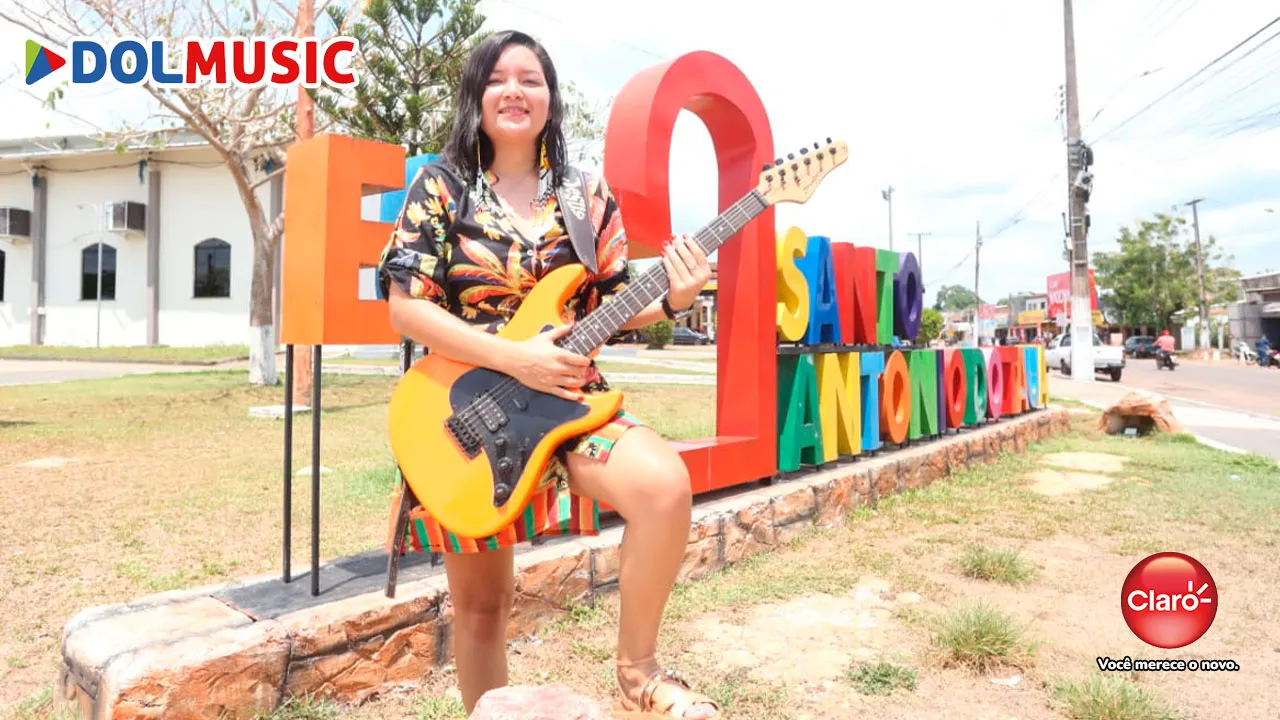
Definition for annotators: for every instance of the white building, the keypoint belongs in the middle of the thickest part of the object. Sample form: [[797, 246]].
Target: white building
[[176, 246]]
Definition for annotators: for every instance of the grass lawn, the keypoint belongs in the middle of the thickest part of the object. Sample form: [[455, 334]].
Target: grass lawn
[[168, 483], [197, 354], [972, 598]]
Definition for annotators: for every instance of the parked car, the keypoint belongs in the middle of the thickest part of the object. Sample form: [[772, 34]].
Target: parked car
[[1140, 346], [684, 336], [1107, 359]]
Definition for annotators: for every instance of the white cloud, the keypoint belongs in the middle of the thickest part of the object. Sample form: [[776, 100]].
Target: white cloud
[[953, 104]]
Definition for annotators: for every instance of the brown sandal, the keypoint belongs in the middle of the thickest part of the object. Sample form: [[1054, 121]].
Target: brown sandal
[[670, 704]]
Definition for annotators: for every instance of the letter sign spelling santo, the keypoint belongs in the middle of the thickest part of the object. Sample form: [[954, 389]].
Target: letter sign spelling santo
[[637, 152]]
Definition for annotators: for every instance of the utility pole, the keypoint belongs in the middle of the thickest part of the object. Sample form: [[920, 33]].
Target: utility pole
[[304, 126], [920, 252], [1078, 188], [888, 196], [1204, 305], [977, 299]]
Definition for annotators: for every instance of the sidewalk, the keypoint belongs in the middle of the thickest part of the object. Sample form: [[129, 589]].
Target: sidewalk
[[1215, 426]]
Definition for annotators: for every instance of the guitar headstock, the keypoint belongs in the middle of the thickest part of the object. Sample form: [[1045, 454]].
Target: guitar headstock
[[794, 178]]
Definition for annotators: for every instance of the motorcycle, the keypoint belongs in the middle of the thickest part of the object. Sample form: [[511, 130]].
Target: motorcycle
[[1166, 360], [1243, 353]]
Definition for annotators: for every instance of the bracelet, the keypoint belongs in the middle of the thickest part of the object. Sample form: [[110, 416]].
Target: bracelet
[[672, 313]]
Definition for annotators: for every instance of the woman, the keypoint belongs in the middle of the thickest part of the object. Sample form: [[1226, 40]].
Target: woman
[[475, 234]]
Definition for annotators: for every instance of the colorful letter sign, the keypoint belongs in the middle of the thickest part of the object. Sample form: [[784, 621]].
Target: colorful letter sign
[[818, 352]]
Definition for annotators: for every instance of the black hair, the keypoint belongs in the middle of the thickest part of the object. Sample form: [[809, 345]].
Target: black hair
[[466, 135]]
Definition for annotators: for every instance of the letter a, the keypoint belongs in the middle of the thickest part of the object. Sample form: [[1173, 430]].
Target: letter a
[[800, 431]]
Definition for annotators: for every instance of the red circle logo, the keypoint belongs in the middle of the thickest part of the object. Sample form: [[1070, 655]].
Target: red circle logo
[[1169, 600]]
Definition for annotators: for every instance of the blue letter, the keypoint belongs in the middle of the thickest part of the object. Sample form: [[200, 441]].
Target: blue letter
[[391, 202], [158, 71], [1031, 368], [872, 368], [824, 308], [78, 50], [117, 62]]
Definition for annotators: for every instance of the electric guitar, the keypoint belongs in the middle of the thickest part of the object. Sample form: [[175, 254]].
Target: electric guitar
[[473, 443]]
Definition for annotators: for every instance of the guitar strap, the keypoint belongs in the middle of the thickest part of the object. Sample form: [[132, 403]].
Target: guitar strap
[[572, 196]]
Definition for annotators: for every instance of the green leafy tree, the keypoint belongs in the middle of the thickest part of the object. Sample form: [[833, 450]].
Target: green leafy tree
[[1152, 275], [411, 58], [955, 297], [931, 323], [412, 55]]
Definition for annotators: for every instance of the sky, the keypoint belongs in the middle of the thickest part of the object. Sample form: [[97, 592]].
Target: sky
[[954, 105]]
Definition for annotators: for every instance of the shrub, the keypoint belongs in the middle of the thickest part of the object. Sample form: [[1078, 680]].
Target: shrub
[[659, 334]]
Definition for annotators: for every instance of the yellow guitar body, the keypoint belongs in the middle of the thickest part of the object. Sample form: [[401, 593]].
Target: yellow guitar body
[[519, 430]]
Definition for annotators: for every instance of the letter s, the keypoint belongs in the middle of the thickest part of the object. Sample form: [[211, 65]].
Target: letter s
[[793, 288]]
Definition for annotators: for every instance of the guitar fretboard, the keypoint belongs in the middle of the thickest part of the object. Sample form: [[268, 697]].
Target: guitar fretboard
[[652, 284]]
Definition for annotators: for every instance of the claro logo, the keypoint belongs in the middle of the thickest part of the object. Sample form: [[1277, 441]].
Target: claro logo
[[1169, 600]]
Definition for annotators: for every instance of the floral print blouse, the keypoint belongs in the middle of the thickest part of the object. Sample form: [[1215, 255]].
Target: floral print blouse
[[470, 258]]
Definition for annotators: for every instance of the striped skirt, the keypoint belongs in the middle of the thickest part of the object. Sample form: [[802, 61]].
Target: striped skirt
[[553, 509]]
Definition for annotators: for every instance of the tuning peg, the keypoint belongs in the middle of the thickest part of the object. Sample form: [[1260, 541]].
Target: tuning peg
[[766, 167], [804, 150], [777, 161], [816, 147], [828, 141]]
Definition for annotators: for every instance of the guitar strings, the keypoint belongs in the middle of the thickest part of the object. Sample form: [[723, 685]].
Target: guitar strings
[[505, 389]]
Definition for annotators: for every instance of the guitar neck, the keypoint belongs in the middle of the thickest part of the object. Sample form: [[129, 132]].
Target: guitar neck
[[642, 291]]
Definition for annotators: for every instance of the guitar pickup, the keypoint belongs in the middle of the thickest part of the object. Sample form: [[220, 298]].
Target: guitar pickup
[[490, 412]]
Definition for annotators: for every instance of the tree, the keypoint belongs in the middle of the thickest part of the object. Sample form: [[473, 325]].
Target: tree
[[412, 54], [1152, 275], [931, 323], [955, 297], [247, 127]]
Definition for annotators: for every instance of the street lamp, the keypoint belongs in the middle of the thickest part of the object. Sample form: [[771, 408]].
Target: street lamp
[[98, 209], [888, 196]]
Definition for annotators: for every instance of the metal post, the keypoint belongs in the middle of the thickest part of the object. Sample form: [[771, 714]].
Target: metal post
[[98, 340], [287, 540], [315, 470]]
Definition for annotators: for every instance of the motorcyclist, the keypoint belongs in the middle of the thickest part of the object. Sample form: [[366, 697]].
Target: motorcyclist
[[1165, 345], [1264, 350]]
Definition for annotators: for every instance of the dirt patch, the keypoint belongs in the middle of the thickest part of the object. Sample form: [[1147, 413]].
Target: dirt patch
[[1055, 482], [1085, 461]]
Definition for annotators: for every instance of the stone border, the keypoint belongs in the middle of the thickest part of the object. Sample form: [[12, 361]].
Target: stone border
[[189, 654]]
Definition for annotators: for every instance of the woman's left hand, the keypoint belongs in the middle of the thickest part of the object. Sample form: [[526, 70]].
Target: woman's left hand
[[687, 270]]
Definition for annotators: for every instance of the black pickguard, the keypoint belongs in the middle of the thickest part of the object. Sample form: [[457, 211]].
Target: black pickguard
[[509, 429]]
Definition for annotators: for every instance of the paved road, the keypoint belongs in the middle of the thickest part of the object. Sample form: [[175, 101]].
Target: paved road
[[30, 372], [1246, 388], [1229, 404]]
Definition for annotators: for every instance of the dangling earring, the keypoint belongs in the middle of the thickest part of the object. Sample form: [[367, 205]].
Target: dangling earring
[[477, 191], [544, 175]]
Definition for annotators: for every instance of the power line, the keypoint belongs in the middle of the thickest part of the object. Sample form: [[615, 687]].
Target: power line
[[1193, 76]]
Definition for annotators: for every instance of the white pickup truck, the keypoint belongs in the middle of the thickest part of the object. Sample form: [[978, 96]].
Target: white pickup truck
[[1107, 359]]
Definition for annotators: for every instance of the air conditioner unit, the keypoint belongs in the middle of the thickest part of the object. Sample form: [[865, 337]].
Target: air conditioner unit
[[126, 217], [15, 225]]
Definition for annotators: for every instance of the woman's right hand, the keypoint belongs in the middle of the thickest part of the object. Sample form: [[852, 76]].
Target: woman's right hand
[[540, 364]]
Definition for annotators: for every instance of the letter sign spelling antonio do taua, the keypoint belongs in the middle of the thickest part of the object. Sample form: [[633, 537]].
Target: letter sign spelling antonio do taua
[[850, 376], [807, 366]]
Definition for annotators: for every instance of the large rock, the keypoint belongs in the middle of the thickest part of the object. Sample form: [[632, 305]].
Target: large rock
[[537, 702], [1142, 410]]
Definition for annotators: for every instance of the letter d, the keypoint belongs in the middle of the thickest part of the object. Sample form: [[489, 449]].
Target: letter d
[[79, 49]]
